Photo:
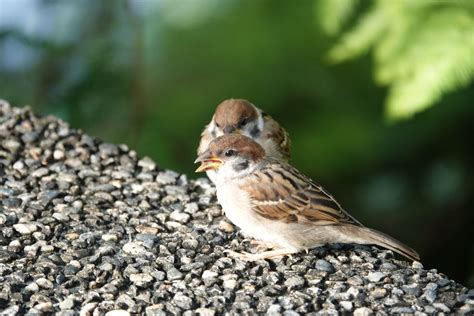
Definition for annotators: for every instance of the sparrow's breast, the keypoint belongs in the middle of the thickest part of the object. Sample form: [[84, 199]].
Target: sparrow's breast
[[237, 206]]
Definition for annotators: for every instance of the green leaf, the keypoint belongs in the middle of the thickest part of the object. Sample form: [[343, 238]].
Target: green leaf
[[360, 39], [332, 15], [440, 60], [422, 50]]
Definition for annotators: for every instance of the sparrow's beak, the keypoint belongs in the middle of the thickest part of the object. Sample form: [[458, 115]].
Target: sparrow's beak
[[208, 162]]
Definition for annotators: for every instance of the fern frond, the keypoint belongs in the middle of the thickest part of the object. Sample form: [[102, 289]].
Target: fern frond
[[440, 61], [360, 39], [333, 14], [398, 37], [422, 50]]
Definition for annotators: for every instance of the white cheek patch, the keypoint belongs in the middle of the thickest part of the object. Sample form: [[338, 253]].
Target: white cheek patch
[[211, 126], [214, 130]]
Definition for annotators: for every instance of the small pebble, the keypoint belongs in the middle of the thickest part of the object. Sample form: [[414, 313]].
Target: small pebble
[[173, 274], [363, 311], [25, 228], [118, 312], [346, 305], [324, 265], [134, 249], [141, 279], [225, 226], [376, 276], [44, 283]]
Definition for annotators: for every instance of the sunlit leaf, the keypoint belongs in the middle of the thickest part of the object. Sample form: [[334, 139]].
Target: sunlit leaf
[[332, 15], [359, 39], [424, 76], [422, 50]]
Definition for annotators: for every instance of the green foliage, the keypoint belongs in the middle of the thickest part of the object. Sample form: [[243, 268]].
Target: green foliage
[[333, 14], [422, 49]]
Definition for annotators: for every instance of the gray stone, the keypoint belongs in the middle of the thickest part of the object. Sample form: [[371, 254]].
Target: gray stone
[[107, 150], [32, 287], [25, 228], [202, 311], [346, 305], [180, 217], [294, 282], [11, 310], [376, 276], [324, 265], [68, 303], [182, 301], [40, 172], [363, 311], [173, 274], [117, 312], [442, 307], [147, 163], [155, 310], [430, 296], [141, 279], [378, 293], [417, 265], [401, 310], [14, 246], [134, 249], [44, 283], [11, 202], [167, 177]]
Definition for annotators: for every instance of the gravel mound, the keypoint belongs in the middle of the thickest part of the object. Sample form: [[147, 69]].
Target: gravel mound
[[89, 228]]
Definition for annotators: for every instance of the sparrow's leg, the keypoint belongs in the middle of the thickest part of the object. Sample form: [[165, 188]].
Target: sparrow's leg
[[262, 255]]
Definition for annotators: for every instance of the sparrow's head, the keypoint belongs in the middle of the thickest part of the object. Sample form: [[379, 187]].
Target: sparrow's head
[[237, 116], [231, 155]]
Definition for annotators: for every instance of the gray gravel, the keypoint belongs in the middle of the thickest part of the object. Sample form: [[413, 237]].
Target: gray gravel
[[90, 228]]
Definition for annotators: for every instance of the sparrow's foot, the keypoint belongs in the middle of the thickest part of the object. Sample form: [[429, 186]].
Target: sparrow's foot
[[261, 245], [257, 242], [260, 256]]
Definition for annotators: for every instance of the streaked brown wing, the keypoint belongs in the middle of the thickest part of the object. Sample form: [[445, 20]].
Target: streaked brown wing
[[280, 192], [279, 135]]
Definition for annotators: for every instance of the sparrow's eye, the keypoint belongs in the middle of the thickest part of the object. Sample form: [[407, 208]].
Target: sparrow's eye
[[218, 126], [244, 122], [229, 153]]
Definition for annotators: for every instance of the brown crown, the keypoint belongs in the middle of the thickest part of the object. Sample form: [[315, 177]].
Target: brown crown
[[243, 145], [231, 112]]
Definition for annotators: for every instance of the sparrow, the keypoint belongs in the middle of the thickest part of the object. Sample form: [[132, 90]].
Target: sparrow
[[273, 202], [242, 117]]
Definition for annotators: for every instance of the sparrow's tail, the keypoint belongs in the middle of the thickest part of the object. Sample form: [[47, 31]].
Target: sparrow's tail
[[372, 236]]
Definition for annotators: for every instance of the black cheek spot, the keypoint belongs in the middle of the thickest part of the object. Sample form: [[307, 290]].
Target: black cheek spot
[[255, 132], [241, 165]]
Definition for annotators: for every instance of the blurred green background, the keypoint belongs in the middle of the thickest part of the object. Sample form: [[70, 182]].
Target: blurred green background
[[376, 95]]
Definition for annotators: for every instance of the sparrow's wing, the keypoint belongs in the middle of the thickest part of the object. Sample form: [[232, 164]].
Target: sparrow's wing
[[278, 134], [280, 192], [206, 138]]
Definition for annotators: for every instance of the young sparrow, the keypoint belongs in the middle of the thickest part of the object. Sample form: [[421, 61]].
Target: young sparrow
[[273, 202], [242, 117]]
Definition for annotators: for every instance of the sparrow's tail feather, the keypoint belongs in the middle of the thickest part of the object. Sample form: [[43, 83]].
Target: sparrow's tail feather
[[375, 237]]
